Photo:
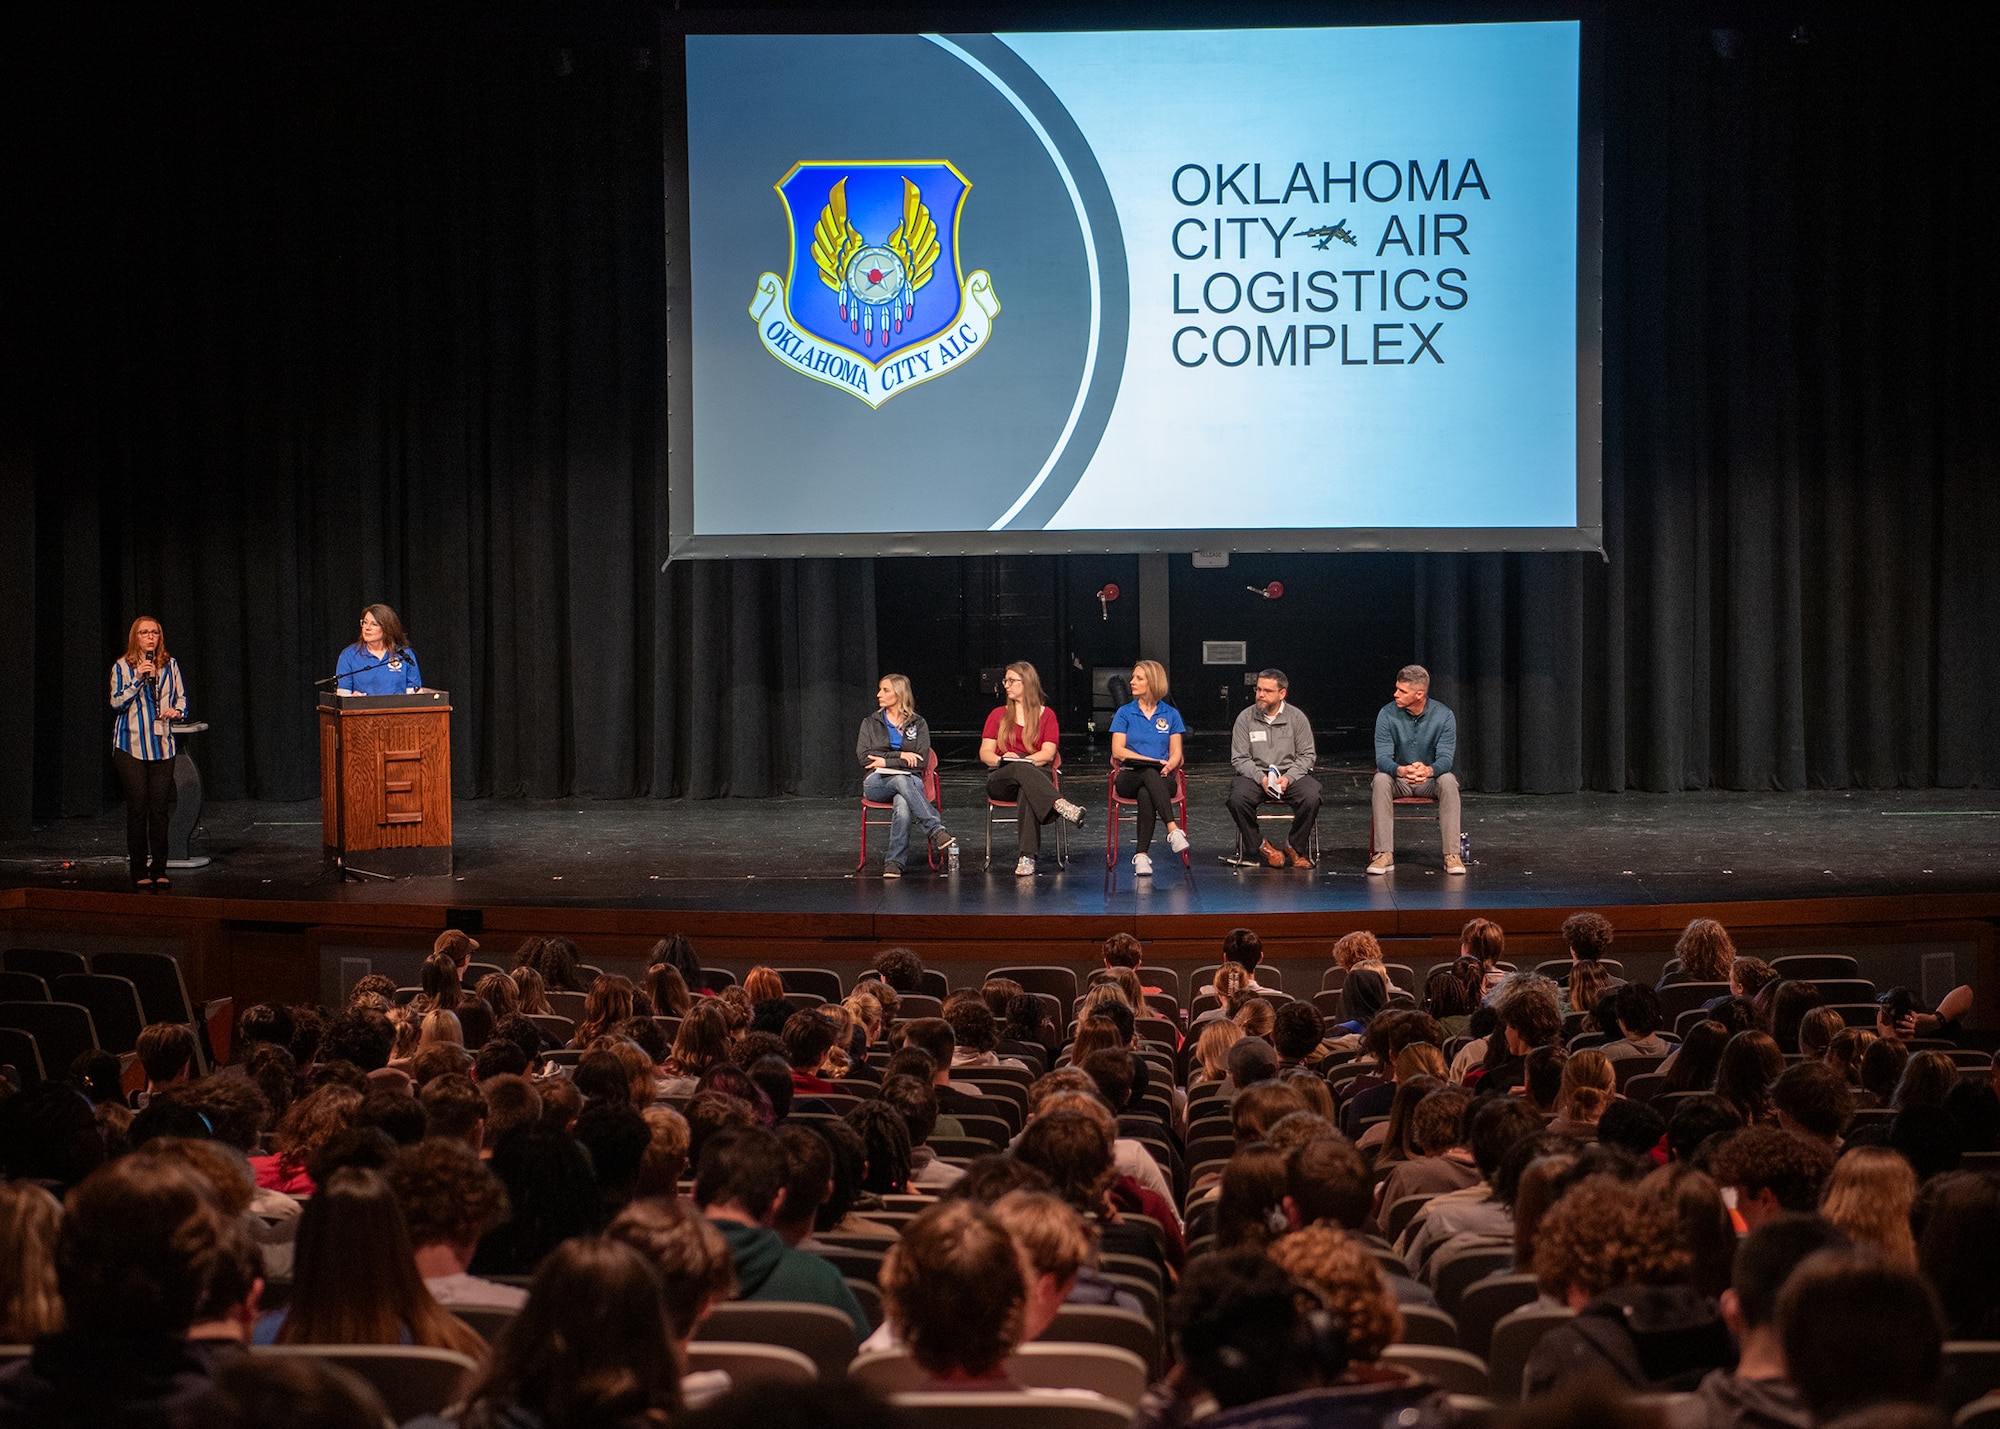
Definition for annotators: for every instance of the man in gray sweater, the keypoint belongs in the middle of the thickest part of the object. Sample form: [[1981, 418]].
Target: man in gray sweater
[[1272, 749]]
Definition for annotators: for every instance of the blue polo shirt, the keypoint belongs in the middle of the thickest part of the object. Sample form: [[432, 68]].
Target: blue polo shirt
[[395, 673], [1148, 738]]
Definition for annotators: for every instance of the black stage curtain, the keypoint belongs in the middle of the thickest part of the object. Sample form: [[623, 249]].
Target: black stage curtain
[[318, 309]]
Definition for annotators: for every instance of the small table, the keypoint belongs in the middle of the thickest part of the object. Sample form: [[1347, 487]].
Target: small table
[[187, 802]]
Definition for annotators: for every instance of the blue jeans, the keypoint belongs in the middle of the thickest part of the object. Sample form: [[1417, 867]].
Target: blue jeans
[[906, 791]]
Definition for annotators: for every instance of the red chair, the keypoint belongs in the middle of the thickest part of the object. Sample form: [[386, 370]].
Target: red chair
[[1118, 801], [1062, 824], [933, 790]]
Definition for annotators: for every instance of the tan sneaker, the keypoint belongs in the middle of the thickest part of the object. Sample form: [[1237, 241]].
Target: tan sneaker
[[1453, 863], [1382, 863]]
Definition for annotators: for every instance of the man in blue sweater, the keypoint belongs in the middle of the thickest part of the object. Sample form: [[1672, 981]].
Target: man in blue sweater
[[1415, 741]]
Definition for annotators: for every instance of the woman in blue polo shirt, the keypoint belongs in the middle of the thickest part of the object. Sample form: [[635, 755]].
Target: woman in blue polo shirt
[[148, 696], [381, 661], [1146, 746]]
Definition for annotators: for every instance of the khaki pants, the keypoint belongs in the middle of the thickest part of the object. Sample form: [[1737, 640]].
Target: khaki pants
[[1388, 788]]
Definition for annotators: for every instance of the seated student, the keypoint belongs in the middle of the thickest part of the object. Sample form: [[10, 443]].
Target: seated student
[[139, 1243], [914, 1099], [1460, 1220], [230, 1307], [1612, 1251], [592, 1346], [286, 1389], [917, 1063], [934, 1037], [1122, 950], [1901, 1015], [740, 1187], [900, 969], [1813, 1100], [1345, 1278], [1073, 1149], [1297, 1032], [450, 1200], [1768, 1172], [1588, 937], [696, 1274], [1588, 1086], [808, 1182], [1245, 949], [977, 1034], [1327, 1181], [1705, 953], [841, 1212], [1637, 1009], [1858, 1332], [166, 1051], [1529, 1010], [807, 1037], [1443, 1162], [1138, 1185], [1251, 1061]]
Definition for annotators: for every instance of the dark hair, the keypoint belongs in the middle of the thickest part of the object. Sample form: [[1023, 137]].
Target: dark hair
[[1496, 1125], [1957, 1223], [1297, 1030], [1237, 1326], [901, 969], [932, 1035], [808, 1036], [850, 1159], [1587, 935], [1277, 677], [1766, 1258], [1857, 1332], [266, 1022], [447, 1194], [138, 1243], [500, 1058], [552, 1192], [1250, 1210], [1638, 1008], [393, 1111], [1328, 1180], [1700, 1054], [1789, 1006], [989, 1178], [1975, 1109], [677, 952], [1452, 989], [744, 1168], [237, 1111], [592, 1345], [616, 1136], [808, 1172], [1115, 1070], [254, 1391], [1695, 1120], [1760, 1158], [1363, 994], [49, 1133], [887, 1139], [972, 1024], [1072, 1150], [1241, 945], [1928, 1139], [367, 1039], [1541, 1074], [1816, 1097], [165, 1050], [1634, 1125], [1750, 1063]]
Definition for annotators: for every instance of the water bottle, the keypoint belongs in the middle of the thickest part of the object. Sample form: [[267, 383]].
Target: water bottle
[[1465, 848], [951, 858]]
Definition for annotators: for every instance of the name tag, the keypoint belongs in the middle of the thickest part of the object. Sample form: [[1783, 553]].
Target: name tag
[[1257, 734]]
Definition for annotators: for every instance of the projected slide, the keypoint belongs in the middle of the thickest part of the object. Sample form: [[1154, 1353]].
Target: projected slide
[[1057, 291]]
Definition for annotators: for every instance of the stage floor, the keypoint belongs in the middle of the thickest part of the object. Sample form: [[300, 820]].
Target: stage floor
[[797, 856]]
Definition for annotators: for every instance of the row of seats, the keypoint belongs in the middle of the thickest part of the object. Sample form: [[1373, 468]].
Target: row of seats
[[56, 1005]]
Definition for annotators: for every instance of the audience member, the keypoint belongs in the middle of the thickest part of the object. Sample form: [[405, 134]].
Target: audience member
[[450, 1200], [1868, 1196], [1858, 1332], [696, 1274], [954, 1291], [1768, 1171], [551, 1196], [291, 1390]]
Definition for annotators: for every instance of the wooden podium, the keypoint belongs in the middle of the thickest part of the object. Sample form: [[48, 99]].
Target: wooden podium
[[385, 782]]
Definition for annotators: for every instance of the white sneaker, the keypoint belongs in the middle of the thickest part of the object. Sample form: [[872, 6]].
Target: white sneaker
[[1069, 811], [1025, 868], [1142, 866], [1177, 840]]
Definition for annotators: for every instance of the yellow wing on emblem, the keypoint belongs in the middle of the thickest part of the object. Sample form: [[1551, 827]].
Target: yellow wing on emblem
[[834, 238], [915, 241]]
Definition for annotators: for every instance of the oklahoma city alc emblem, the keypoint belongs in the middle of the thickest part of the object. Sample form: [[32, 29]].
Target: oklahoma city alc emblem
[[892, 307]]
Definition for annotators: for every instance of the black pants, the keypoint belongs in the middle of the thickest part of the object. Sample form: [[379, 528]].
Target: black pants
[[1301, 796], [1142, 782], [1034, 793], [149, 807]]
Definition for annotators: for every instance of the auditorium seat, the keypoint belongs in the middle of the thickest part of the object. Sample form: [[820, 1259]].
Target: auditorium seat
[[23, 987], [1557, 969], [747, 1363], [1397, 1214], [1680, 997], [1628, 1069], [1267, 976], [163, 993], [912, 1005], [1846, 990], [1167, 980], [62, 1031], [48, 964], [1813, 967], [1484, 1302], [1980, 1414], [114, 1007], [972, 1410], [1644, 1086], [1455, 1272], [822, 981], [1106, 1369], [1451, 1370], [413, 1380], [869, 1297], [1427, 1325], [1107, 1325], [569, 1004], [1514, 1339], [487, 1320], [18, 1050], [819, 1332], [1971, 1368], [556, 1025], [715, 980], [1056, 982]]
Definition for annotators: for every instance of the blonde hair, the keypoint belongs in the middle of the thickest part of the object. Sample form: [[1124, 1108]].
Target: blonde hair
[[1421, 1059], [534, 990], [441, 1026], [906, 700], [1048, 1232], [866, 1010], [1031, 709], [30, 1304], [1211, 1049], [1589, 1085], [1339, 1269], [1355, 949], [1156, 679], [1869, 1196], [1588, 981], [1099, 995], [1257, 1017]]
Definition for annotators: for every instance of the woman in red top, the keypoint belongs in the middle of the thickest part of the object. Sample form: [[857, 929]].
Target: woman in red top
[[1019, 747]]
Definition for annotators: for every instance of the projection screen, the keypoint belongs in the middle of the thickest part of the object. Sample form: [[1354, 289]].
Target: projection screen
[[1308, 289]]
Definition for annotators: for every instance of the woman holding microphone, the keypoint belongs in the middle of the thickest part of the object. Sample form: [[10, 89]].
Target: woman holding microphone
[[1019, 748], [381, 661], [1146, 746], [893, 747], [148, 696]]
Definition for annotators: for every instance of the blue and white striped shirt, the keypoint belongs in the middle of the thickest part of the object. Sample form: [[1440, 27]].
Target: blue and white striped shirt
[[138, 707]]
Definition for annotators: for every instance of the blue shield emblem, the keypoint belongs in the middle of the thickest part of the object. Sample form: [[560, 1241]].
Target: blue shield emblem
[[875, 300]]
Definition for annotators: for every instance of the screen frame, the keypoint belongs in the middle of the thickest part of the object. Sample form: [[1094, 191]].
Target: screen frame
[[1586, 535]]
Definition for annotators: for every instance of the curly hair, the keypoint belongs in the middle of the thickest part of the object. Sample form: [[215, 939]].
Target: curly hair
[[1705, 951], [1529, 1005], [1339, 1269], [1604, 1233], [1587, 935], [1123, 950], [448, 1195], [1751, 976], [690, 1255], [1354, 949], [312, 1122]]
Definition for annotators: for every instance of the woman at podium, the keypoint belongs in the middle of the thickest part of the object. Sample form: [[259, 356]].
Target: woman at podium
[[381, 661], [148, 696]]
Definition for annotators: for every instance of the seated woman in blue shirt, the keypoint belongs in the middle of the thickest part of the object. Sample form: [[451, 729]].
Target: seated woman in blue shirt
[[381, 661], [1146, 746], [894, 745]]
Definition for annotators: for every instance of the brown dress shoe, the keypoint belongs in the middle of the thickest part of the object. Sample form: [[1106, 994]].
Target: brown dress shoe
[[1295, 859], [1275, 858]]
